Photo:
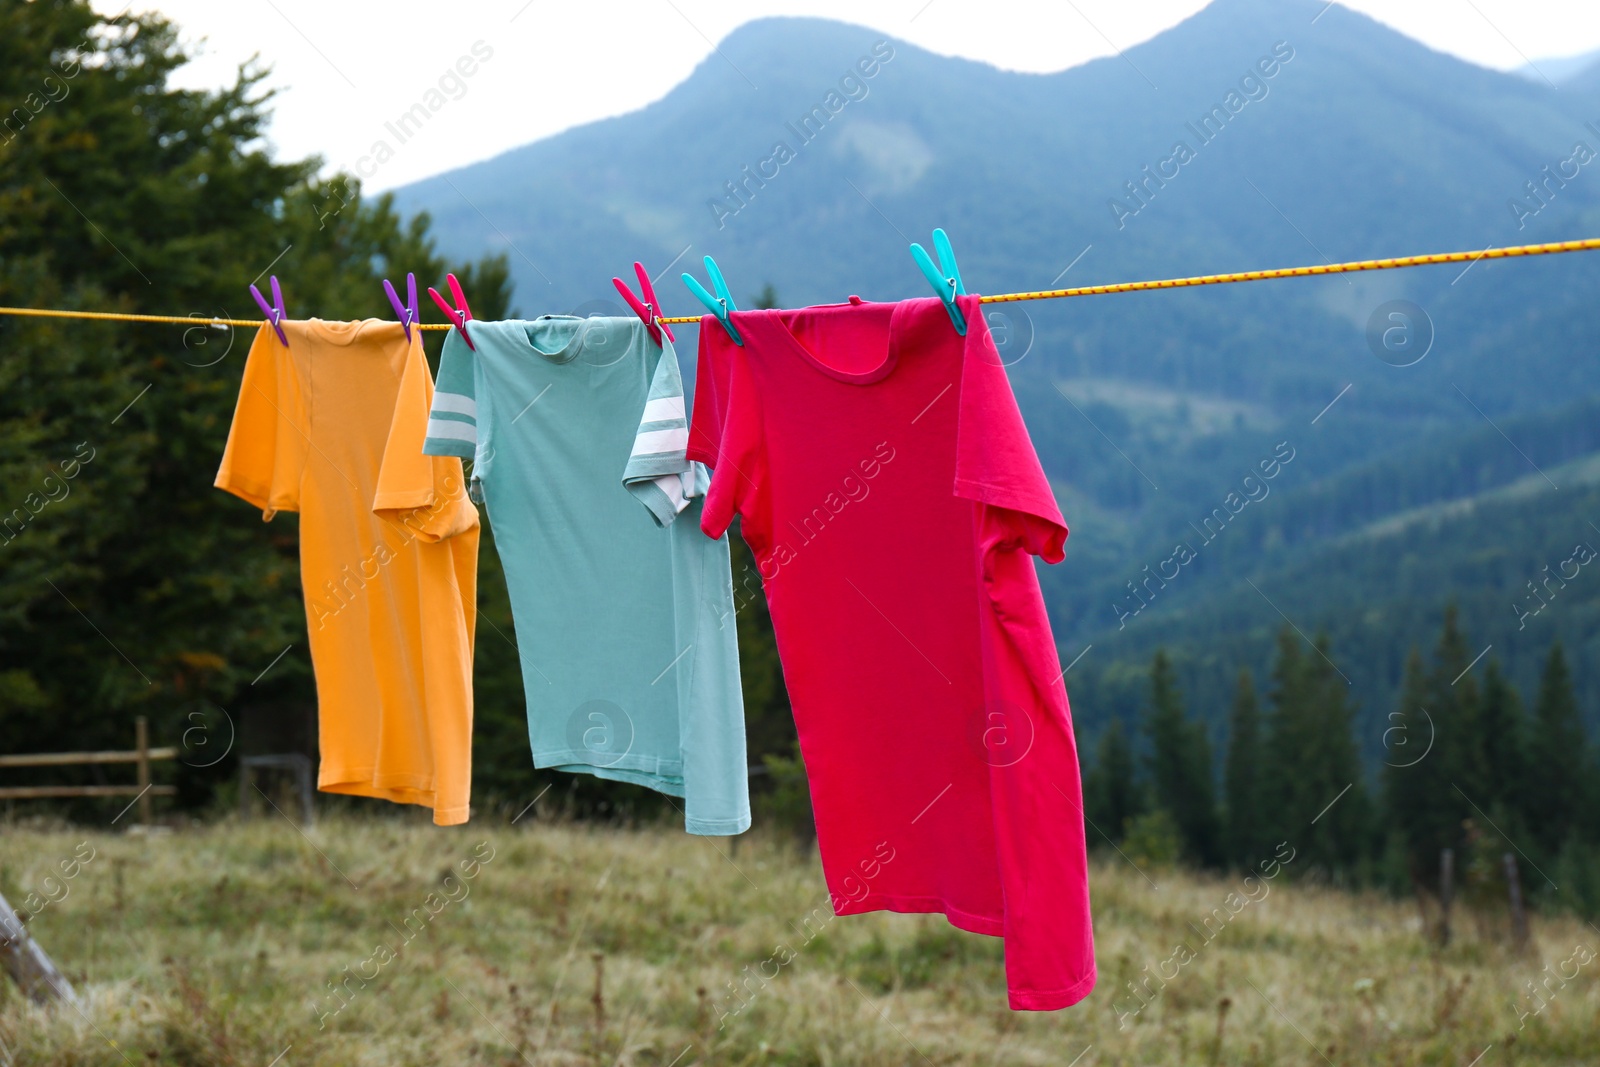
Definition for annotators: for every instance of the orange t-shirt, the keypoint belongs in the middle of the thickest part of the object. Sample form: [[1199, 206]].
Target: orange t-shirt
[[332, 427]]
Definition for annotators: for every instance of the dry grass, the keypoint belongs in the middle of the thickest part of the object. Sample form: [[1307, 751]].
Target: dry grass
[[222, 944]]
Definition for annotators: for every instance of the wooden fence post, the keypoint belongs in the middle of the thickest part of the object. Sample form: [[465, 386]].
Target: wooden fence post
[[1447, 877], [141, 733], [1519, 913], [1422, 903], [26, 963]]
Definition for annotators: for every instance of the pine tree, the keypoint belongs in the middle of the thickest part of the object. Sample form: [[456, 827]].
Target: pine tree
[[1180, 767], [1409, 763], [1457, 711], [1315, 796], [1243, 777], [1437, 777], [1111, 794], [1557, 758], [1504, 735], [1284, 740], [1333, 799]]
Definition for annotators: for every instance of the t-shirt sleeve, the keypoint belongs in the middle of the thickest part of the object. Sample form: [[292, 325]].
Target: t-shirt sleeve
[[453, 416], [266, 452], [423, 493], [726, 434], [660, 474], [710, 396], [996, 464]]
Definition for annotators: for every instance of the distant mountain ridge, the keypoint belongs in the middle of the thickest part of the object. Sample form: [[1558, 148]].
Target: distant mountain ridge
[[1559, 69], [1147, 408]]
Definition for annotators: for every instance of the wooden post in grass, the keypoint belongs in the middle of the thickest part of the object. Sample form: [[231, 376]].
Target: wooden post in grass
[[1519, 913], [599, 1001], [141, 744], [26, 963], [1447, 877]]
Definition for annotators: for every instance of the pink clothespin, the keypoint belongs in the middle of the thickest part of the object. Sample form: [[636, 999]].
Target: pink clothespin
[[459, 315], [274, 312], [647, 309], [407, 314]]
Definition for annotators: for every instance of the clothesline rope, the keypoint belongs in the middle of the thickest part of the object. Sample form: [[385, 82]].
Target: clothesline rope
[[1549, 248], [1588, 244]]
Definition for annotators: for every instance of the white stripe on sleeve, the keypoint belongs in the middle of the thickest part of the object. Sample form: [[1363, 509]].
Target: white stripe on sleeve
[[663, 408], [654, 442], [455, 431], [457, 404]]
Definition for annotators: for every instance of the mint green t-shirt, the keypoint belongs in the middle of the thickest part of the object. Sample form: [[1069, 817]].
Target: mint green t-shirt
[[623, 607]]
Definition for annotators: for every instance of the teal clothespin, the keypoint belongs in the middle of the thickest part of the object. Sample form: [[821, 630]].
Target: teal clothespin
[[719, 305], [945, 277]]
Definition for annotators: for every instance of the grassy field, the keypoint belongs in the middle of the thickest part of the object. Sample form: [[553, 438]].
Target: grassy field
[[387, 941]]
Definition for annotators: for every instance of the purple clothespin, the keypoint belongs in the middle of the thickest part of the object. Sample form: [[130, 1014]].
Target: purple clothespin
[[274, 312], [459, 315], [407, 314]]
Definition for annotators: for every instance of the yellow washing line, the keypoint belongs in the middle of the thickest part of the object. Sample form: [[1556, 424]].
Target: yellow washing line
[[1586, 245]]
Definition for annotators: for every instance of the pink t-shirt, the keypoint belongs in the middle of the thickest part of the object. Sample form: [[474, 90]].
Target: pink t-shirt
[[893, 500]]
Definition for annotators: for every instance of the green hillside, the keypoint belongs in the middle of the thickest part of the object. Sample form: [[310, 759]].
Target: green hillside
[[1368, 553], [1343, 140]]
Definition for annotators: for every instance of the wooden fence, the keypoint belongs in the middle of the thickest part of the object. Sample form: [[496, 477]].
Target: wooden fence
[[141, 756]]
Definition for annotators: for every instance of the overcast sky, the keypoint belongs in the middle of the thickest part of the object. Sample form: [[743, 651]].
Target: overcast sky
[[343, 69]]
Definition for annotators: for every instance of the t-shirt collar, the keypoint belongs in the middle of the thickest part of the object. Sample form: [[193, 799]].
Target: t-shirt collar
[[771, 322]]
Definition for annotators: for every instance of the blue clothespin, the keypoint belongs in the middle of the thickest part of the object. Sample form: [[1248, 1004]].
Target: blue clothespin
[[945, 277], [719, 305], [407, 313]]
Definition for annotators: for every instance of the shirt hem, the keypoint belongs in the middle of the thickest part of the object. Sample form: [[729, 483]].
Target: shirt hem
[[960, 919], [366, 776], [654, 499], [652, 774], [251, 493], [626, 762], [657, 465], [415, 789], [1052, 999], [717, 827], [1054, 547], [435, 447], [1017, 999], [452, 816]]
